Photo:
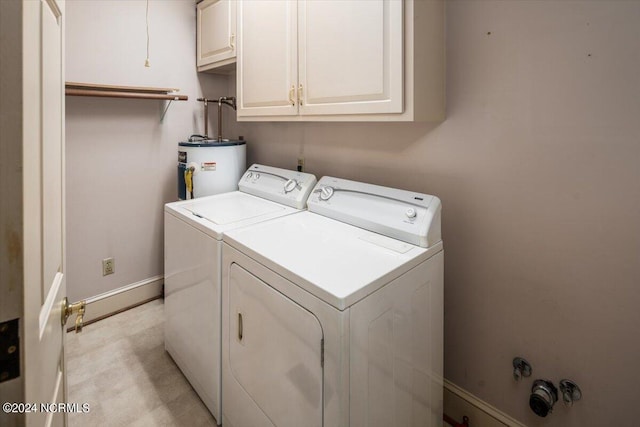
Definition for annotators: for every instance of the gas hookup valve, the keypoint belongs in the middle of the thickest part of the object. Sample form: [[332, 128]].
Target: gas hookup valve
[[543, 396]]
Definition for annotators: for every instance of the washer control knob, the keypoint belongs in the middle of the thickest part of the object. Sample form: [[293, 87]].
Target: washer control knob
[[256, 177], [290, 185], [326, 193], [249, 175], [411, 213]]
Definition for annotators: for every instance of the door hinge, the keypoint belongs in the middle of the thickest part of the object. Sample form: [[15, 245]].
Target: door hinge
[[322, 353], [9, 350]]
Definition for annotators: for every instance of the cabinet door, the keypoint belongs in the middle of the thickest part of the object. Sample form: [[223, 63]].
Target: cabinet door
[[216, 21], [351, 56], [267, 58]]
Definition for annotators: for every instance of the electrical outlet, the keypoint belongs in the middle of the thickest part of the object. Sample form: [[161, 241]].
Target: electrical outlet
[[108, 266], [300, 164]]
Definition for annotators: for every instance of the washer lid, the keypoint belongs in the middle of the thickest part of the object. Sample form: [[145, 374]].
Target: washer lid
[[219, 213], [226, 210], [337, 262]]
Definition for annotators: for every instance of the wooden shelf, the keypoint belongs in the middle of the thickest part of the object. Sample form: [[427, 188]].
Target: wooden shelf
[[112, 91]]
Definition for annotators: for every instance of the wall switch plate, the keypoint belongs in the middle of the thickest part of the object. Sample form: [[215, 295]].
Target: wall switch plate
[[108, 266]]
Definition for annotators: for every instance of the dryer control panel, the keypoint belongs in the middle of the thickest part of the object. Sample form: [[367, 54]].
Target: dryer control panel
[[403, 215], [290, 188]]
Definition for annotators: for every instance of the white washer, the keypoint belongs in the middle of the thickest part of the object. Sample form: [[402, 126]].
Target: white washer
[[334, 316], [193, 250]]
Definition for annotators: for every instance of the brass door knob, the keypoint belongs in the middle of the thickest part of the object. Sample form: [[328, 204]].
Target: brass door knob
[[69, 309]]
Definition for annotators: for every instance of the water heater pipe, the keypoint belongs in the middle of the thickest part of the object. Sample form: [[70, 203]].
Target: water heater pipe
[[227, 100], [206, 116]]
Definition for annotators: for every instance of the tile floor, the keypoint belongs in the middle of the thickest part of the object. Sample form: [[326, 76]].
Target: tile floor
[[120, 367]]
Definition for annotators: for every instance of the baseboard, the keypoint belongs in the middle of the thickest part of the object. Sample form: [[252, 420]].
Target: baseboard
[[459, 402], [121, 299]]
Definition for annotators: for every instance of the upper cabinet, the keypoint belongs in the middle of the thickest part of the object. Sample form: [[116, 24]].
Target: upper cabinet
[[352, 60], [216, 35], [267, 69]]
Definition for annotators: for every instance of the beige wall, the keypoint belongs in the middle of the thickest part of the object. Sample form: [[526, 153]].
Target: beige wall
[[538, 169], [536, 165], [121, 160], [11, 189]]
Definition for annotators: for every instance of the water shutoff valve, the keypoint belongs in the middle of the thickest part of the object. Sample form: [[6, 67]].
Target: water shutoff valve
[[521, 368], [570, 392]]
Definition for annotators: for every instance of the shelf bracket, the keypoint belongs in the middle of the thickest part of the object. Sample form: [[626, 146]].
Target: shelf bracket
[[164, 113]]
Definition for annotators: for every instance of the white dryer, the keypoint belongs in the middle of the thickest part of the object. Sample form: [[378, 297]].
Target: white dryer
[[334, 316], [192, 258]]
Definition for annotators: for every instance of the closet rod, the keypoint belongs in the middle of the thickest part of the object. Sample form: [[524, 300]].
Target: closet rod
[[113, 91], [117, 94]]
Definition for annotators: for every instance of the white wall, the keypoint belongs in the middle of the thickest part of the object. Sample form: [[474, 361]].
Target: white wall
[[537, 165], [121, 160]]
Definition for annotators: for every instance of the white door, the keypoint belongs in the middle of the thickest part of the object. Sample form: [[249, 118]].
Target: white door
[[42, 160], [216, 20], [267, 63], [351, 57]]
